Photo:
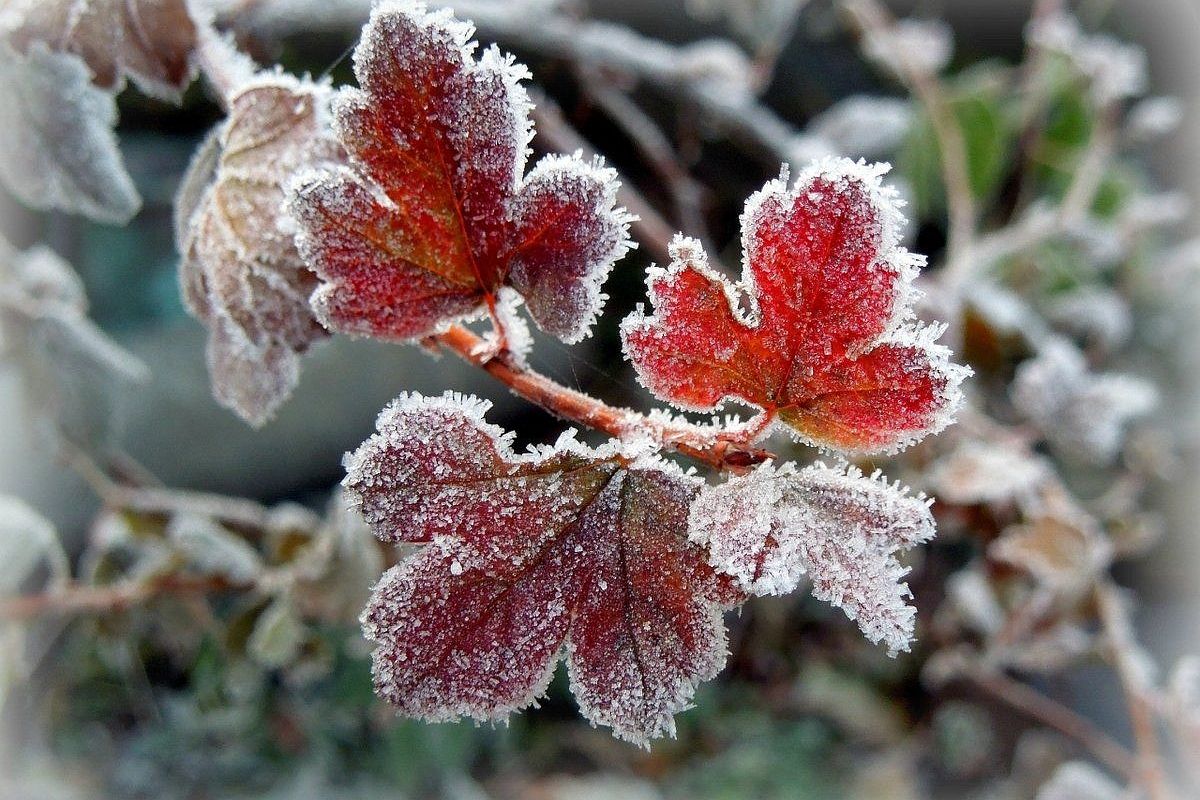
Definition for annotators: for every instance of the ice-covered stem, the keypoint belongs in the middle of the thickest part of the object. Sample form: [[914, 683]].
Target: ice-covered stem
[[219, 60], [872, 18], [725, 450], [1055, 715], [1114, 617], [592, 44]]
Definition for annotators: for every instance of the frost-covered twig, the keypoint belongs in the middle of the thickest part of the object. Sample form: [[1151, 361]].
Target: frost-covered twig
[[873, 19], [722, 449], [727, 100], [1131, 669], [687, 194], [103, 599]]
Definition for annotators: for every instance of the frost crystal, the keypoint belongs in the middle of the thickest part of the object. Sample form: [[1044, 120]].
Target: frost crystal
[[771, 527], [1081, 413], [829, 345], [1117, 71], [148, 40], [241, 273], [436, 213], [57, 147], [911, 45], [563, 551]]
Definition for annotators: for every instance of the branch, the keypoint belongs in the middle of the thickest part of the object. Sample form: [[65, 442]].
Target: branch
[[82, 599], [589, 44], [725, 450], [1115, 619], [1055, 715], [872, 17]]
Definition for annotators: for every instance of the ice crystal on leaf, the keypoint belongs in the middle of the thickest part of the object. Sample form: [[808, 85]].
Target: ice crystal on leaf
[[148, 40], [57, 146], [1081, 413], [841, 529], [829, 345], [563, 551], [437, 213], [241, 274]]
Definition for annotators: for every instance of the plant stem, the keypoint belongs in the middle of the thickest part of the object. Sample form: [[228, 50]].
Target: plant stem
[[1114, 617], [720, 449], [80, 598], [1055, 715]]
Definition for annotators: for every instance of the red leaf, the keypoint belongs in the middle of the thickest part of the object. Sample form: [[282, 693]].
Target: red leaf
[[829, 345], [436, 215], [560, 552]]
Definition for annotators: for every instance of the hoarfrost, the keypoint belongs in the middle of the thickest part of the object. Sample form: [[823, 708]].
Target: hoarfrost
[[1081, 413], [987, 472], [562, 551], [841, 529], [1117, 70], [829, 345], [57, 147], [240, 271]]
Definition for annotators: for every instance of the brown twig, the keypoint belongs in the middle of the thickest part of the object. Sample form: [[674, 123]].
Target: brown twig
[[1055, 715], [687, 194], [721, 449], [1149, 773], [82, 599]]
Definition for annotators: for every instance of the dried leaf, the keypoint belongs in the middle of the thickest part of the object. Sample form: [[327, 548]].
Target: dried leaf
[[148, 40], [241, 273], [57, 147]]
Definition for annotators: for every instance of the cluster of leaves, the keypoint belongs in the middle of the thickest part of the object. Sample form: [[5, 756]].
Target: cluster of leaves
[[402, 208]]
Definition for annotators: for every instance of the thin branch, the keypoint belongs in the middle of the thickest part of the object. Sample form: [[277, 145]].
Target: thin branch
[[556, 134], [1114, 617], [75, 599], [871, 17], [687, 194], [1055, 715], [720, 449]]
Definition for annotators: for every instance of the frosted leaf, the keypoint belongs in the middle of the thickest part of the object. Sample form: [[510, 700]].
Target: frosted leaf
[[72, 372], [1079, 780], [1153, 118], [562, 551], [27, 540], [771, 527], [864, 126], [57, 147], [830, 346], [211, 549], [1081, 413], [987, 472], [149, 40], [240, 272], [277, 636], [1060, 552], [1117, 71], [759, 21], [436, 213], [1099, 316], [911, 45]]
